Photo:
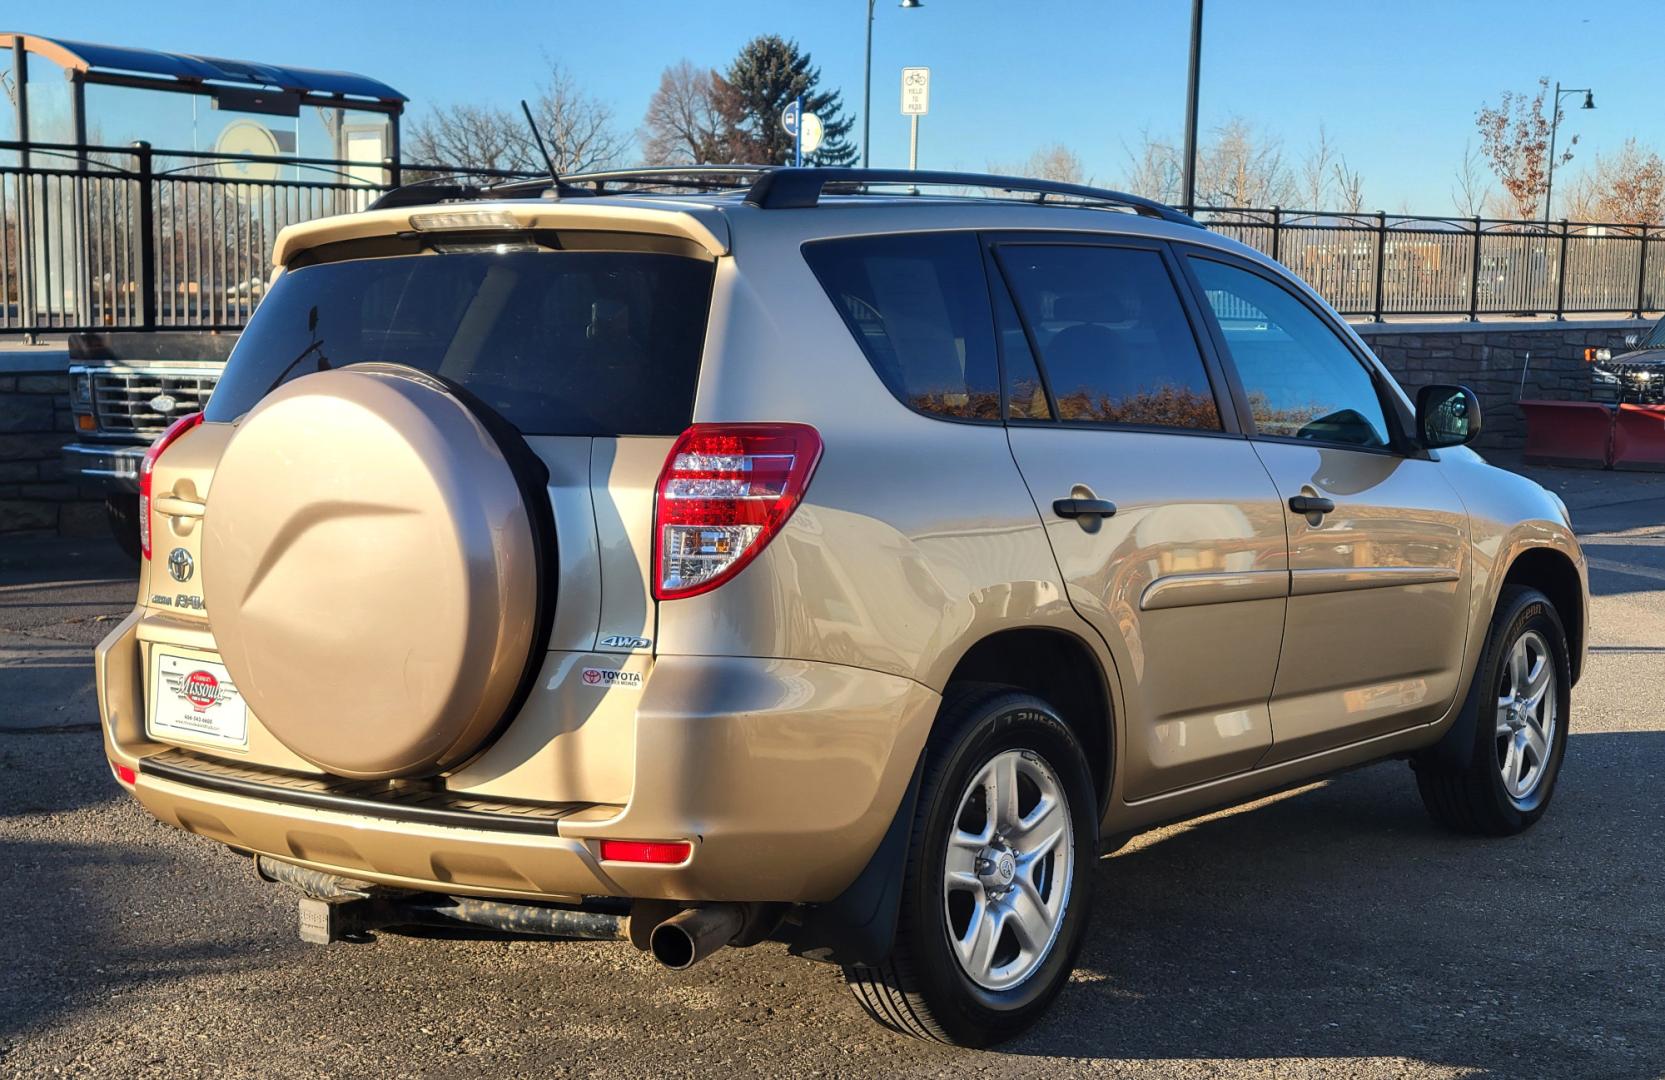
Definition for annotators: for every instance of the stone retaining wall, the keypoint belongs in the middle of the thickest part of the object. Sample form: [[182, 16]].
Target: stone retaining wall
[[1502, 362], [36, 495]]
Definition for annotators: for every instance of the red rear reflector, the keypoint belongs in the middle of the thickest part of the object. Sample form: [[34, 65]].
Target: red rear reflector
[[725, 492], [646, 851], [125, 775], [148, 465]]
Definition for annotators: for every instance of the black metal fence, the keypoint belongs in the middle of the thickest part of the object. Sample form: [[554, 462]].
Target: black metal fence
[[102, 237], [1381, 265], [99, 237]]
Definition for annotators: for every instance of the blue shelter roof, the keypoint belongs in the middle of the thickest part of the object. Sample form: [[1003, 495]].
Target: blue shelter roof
[[112, 59]]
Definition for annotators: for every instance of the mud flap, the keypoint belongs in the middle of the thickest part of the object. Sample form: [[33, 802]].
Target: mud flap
[[1456, 747], [859, 925]]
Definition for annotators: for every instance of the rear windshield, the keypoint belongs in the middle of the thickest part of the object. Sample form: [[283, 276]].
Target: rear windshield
[[558, 342]]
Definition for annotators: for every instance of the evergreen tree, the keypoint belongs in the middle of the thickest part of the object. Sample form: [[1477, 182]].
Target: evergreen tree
[[767, 75]]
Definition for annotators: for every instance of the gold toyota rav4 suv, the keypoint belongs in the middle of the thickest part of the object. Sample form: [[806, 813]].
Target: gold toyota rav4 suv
[[706, 557]]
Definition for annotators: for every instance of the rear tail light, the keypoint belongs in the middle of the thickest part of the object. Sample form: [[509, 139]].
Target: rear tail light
[[148, 465], [726, 491], [662, 852]]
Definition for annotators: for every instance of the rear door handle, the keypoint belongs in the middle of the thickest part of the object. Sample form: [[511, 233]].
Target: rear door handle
[[1075, 508], [175, 506], [1310, 504]]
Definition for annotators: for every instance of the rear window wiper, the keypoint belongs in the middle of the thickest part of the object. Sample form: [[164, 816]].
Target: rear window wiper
[[323, 364], [317, 346]]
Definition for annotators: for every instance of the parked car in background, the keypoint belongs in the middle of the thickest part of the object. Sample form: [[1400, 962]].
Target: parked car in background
[[785, 553], [125, 389]]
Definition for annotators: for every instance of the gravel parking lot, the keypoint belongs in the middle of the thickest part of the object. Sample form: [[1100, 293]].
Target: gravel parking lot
[[1329, 931]]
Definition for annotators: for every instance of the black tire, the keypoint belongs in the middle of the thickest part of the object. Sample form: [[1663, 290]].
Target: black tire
[[122, 512], [922, 989], [1461, 780]]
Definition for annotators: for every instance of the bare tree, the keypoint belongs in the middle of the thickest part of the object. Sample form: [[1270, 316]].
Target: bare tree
[[1243, 167], [472, 136], [578, 129], [1515, 138], [1627, 187], [1054, 161], [1317, 172], [685, 122], [1349, 186], [1153, 170], [1471, 191]]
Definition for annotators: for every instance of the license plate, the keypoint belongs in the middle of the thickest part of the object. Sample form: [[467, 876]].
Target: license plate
[[196, 700]]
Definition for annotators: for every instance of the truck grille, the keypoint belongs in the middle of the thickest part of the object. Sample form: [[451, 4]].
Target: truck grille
[[125, 402]]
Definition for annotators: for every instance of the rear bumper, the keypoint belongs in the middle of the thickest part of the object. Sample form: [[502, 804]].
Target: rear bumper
[[783, 775], [113, 467]]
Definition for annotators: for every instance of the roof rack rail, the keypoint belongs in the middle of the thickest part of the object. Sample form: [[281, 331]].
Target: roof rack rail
[[786, 188], [451, 188], [424, 193], [691, 177]]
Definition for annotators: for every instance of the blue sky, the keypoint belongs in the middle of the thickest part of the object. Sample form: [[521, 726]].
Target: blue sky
[[1396, 84]]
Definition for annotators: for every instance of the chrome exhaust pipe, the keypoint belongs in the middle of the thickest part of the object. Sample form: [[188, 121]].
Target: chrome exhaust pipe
[[693, 934]]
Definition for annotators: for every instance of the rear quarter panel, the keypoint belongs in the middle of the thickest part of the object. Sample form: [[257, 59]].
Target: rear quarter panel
[[917, 536]]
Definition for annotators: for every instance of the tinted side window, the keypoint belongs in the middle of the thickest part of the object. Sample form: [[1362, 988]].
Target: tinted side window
[[1301, 380], [919, 307], [1025, 395], [1113, 336]]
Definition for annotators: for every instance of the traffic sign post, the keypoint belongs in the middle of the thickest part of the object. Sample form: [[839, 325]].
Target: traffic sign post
[[806, 129], [791, 120], [916, 102]]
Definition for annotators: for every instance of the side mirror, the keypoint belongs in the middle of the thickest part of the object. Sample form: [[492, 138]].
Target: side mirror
[[1446, 416]]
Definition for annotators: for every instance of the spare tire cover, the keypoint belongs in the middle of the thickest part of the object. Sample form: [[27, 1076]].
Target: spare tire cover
[[369, 571]]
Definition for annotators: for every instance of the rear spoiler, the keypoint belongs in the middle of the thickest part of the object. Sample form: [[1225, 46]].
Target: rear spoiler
[[705, 227]]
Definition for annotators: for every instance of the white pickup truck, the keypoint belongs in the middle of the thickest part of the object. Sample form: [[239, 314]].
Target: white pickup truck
[[125, 389]]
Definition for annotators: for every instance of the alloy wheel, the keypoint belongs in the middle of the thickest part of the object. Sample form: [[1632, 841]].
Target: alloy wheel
[[1526, 716], [1007, 877]]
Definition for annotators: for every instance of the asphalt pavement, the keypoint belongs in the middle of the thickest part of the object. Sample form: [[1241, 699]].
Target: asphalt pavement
[[1329, 931]]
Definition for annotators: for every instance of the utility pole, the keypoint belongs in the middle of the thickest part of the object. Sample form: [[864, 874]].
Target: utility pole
[[1188, 194], [867, 93], [1554, 123]]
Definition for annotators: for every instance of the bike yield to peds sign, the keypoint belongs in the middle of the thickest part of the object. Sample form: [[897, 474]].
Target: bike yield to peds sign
[[916, 91]]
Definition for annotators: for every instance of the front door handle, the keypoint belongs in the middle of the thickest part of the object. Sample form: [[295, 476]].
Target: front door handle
[[1311, 504], [1076, 508]]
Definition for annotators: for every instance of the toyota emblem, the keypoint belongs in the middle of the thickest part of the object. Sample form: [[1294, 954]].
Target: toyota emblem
[[164, 403], [180, 564]]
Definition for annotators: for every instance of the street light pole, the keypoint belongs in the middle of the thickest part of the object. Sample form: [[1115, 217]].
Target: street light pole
[[1555, 122], [867, 84], [1188, 183], [867, 93]]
